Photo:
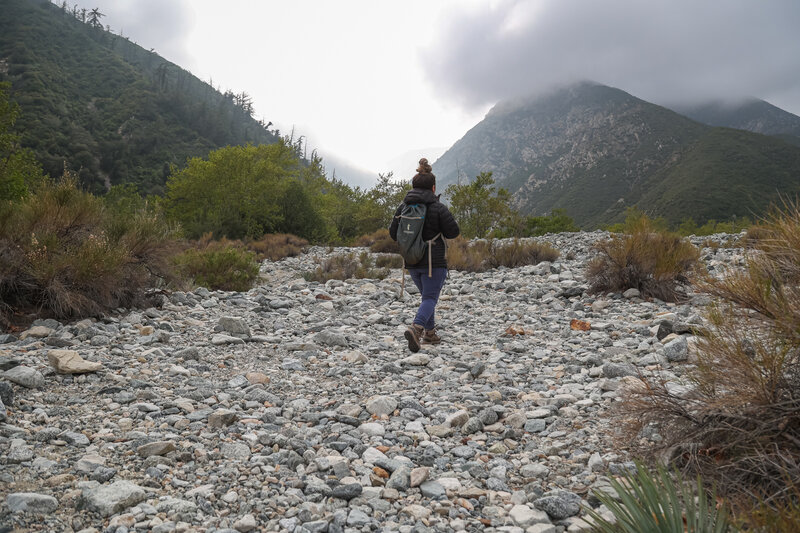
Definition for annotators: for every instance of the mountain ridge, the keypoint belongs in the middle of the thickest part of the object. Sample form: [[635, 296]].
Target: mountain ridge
[[596, 150]]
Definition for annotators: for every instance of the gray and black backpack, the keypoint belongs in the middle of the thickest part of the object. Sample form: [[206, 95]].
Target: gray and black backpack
[[409, 232], [409, 236]]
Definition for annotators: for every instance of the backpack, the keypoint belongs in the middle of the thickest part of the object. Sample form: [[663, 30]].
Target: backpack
[[409, 238], [409, 232]]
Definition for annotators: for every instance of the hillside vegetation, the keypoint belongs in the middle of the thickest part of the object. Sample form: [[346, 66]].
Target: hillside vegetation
[[105, 107]]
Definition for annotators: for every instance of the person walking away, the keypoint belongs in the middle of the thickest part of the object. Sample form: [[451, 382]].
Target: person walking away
[[430, 272]]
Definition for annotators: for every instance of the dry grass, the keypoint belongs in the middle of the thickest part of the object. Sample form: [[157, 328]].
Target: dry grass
[[64, 255], [347, 266], [657, 263], [518, 254], [468, 256], [378, 242], [780, 516], [481, 255], [385, 246], [365, 241], [739, 422], [276, 246], [389, 261]]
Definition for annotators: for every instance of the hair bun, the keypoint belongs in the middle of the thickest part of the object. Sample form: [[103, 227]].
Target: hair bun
[[424, 167]]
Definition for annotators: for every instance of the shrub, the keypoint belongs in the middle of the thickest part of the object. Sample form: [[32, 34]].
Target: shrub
[[738, 422], [657, 263], [689, 227], [276, 246], [767, 516], [219, 266], [480, 256], [378, 241], [478, 205], [385, 246], [469, 256], [65, 255], [347, 266], [660, 502], [518, 254], [515, 225], [365, 241], [389, 261]]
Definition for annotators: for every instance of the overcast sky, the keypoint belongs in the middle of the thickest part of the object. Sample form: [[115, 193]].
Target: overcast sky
[[369, 80]]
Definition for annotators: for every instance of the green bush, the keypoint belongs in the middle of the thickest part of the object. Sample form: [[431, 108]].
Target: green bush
[[655, 262], [219, 266], [735, 225], [19, 170], [65, 255], [478, 206], [515, 225], [660, 502]]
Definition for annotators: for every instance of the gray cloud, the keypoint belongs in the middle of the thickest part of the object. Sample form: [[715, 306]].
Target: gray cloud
[[151, 24], [665, 51]]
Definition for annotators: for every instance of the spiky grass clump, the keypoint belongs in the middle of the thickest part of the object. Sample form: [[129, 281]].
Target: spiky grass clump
[[347, 266], [660, 502], [65, 255], [655, 262], [277, 246]]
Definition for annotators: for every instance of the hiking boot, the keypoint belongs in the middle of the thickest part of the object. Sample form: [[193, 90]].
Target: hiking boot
[[430, 337], [413, 335]]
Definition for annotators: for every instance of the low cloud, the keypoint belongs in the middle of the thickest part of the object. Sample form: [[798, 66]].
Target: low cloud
[[665, 51], [151, 24]]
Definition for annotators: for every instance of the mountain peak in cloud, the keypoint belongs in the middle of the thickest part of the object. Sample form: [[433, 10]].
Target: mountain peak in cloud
[[662, 50]]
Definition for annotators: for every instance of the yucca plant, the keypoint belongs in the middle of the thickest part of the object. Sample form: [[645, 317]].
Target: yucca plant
[[660, 502]]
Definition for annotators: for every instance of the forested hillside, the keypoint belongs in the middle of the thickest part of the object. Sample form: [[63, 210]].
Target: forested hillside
[[753, 115], [107, 108]]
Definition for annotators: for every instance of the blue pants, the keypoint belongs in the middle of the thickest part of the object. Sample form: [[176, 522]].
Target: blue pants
[[429, 288]]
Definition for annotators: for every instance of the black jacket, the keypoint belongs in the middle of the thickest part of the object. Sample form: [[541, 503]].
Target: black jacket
[[438, 219]]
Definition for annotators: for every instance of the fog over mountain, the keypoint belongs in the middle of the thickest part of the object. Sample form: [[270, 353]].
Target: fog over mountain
[[663, 51]]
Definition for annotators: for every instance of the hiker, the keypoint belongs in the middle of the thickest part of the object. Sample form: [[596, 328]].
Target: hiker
[[429, 272]]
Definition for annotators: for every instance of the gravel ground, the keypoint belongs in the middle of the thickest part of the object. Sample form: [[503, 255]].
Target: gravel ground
[[297, 406]]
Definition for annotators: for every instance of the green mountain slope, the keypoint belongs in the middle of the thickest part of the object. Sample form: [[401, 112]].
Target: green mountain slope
[[753, 115], [106, 107], [726, 173], [594, 151]]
